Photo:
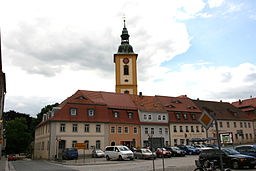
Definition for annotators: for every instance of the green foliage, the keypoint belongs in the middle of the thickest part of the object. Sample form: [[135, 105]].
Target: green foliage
[[18, 136]]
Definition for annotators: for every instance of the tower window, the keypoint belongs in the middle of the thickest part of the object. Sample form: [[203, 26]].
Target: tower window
[[126, 70], [126, 92]]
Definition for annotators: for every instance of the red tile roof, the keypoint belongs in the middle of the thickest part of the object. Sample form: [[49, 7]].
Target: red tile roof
[[223, 110], [246, 105], [182, 104], [148, 103]]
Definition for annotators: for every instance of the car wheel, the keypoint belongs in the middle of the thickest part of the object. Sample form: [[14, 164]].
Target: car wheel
[[235, 165], [107, 157], [131, 158], [120, 158], [135, 157], [251, 166], [199, 169]]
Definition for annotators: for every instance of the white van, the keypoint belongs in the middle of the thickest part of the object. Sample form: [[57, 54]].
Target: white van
[[118, 152]]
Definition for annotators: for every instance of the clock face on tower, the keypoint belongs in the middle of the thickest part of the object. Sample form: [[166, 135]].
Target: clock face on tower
[[126, 60]]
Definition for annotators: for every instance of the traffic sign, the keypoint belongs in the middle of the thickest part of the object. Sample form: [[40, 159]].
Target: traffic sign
[[206, 119], [80, 145]]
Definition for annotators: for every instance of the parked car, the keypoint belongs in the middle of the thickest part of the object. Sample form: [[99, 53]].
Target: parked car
[[162, 152], [189, 149], [231, 158], [12, 157], [97, 153], [247, 149], [212, 145], [201, 147], [144, 153], [118, 152], [176, 151], [70, 153]]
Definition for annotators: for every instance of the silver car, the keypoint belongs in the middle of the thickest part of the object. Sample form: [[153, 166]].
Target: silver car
[[144, 153]]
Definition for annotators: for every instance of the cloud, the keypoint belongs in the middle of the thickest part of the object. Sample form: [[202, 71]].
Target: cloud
[[205, 81], [215, 3]]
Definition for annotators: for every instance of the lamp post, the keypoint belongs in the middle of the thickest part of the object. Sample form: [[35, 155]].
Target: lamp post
[[151, 146]]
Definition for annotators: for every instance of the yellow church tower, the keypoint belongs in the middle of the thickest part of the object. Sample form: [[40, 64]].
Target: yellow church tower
[[126, 66]]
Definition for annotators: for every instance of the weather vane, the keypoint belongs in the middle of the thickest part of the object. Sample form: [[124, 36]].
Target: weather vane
[[124, 19]]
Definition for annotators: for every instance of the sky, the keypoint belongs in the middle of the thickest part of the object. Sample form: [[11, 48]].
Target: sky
[[200, 48]]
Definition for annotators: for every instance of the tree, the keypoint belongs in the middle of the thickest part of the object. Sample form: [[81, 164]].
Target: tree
[[18, 136]]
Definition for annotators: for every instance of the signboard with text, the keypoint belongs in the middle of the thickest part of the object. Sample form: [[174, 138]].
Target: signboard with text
[[80, 145], [226, 138]]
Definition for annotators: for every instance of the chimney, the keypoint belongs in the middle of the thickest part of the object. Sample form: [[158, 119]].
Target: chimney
[[220, 100], [140, 93], [240, 101]]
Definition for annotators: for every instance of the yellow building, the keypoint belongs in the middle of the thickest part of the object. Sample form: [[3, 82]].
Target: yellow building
[[125, 62]]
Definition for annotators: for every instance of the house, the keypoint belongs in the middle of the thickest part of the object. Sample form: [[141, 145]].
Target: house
[[153, 120], [230, 120], [183, 123]]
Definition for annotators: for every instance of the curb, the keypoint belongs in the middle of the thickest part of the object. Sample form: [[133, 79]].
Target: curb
[[83, 164]]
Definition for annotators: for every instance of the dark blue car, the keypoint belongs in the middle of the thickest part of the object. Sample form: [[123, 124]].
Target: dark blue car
[[189, 149], [70, 153], [247, 149]]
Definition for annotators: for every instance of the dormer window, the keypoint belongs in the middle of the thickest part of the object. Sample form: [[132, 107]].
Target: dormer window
[[130, 115], [177, 115], [73, 111], [81, 97], [193, 116], [176, 101], [116, 114], [185, 116], [91, 112], [191, 107], [126, 92]]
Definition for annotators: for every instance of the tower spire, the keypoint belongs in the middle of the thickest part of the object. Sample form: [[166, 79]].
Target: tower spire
[[125, 47]]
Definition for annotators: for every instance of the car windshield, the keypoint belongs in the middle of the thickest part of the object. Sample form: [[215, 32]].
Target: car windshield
[[123, 148], [230, 151], [175, 148], [146, 151], [99, 151], [162, 149]]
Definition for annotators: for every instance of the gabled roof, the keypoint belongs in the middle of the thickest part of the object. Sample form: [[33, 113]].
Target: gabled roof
[[148, 103], [182, 103], [222, 110], [246, 105]]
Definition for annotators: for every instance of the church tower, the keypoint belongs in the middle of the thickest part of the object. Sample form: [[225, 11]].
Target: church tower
[[126, 66]]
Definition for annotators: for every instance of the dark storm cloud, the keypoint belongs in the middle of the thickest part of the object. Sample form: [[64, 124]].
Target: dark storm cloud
[[37, 50]]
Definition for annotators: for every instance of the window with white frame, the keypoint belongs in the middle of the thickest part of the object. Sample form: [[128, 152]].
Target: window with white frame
[[86, 144], [166, 130], [164, 117], [62, 127], [126, 130], [149, 117], [152, 131], [146, 130], [135, 130], [74, 128], [91, 112], [115, 114], [177, 115], [174, 128], [145, 117], [73, 111], [113, 129], [119, 130], [86, 128], [160, 131], [130, 115], [159, 117], [185, 116]]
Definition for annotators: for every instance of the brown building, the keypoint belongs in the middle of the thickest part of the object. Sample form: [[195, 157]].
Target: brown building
[[249, 107]]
